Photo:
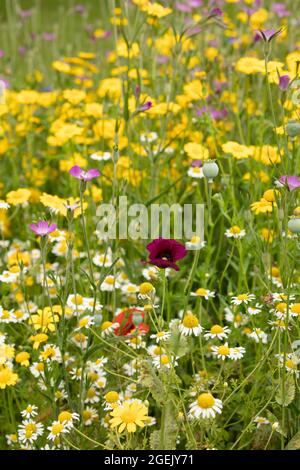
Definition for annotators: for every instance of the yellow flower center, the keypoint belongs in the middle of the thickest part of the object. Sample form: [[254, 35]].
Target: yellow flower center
[[205, 400], [295, 308], [195, 239], [106, 325], [146, 287], [281, 307], [216, 329], [112, 397], [110, 280], [57, 429], [128, 416], [223, 350], [64, 416], [242, 297], [235, 229], [201, 291], [157, 351], [190, 321], [290, 363], [164, 360]]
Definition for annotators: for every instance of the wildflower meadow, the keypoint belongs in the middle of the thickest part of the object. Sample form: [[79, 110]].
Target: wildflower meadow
[[149, 225]]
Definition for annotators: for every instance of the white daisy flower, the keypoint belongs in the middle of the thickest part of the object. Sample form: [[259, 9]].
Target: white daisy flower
[[260, 420], [195, 243], [242, 299], [109, 284], [217, 331], [164, 361], [195, 172], [206, 406], [101, 156], [221, 352], [29, 412], [108, 328], [258, 335], [57, 429], [190, 325], [235, 232], [161, 336], [254, 310], [237, 353], [204, 293]]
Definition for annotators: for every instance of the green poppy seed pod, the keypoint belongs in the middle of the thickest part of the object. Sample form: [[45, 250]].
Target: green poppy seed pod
[[294, 225], [292, 129], [137, 319], [210, 170]]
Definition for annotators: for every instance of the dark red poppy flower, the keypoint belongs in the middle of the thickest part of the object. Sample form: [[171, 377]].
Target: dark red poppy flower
[[164, 253], [125, 320]]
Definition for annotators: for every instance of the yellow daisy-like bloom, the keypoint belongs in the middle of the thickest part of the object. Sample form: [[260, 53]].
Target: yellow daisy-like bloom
[[7, 377], [128, 416], [44, 320], [263, 206], [38, 339]]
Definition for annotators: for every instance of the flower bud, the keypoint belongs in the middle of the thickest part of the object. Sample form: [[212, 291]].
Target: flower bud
[[294, 225], [292, 128], [210, 170]]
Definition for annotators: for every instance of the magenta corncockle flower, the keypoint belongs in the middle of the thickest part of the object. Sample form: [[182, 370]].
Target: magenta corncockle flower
[[80, 174], [268, 34], [292, 182], [49, 36], [144, 107], [25, 13], [216, 12], [284, 81], [164, 252], [79, 8], [42, 228]]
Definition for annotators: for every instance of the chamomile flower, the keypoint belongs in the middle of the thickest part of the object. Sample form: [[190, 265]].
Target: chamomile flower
[[221, 352], [109, 284], [190, 325], [258, 335], [85, 322], [235, 232], [260, 421], [67, 418], [203, 293], [108, 327], [92, 395], [29, 412], [237, 352], [161, 336], [205, 406], [164, 361], [57, 429], [29, 431], [112, 398], [195, 243], [103, 260], [217, 331], [195, 172], [242, 299], [254, 310], [101, 156], [89, 415]]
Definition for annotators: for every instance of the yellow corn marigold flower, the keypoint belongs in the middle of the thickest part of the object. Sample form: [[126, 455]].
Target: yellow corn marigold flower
[[7, 377], [22, 358], [44, 320], [38, 339], [128, 416]]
